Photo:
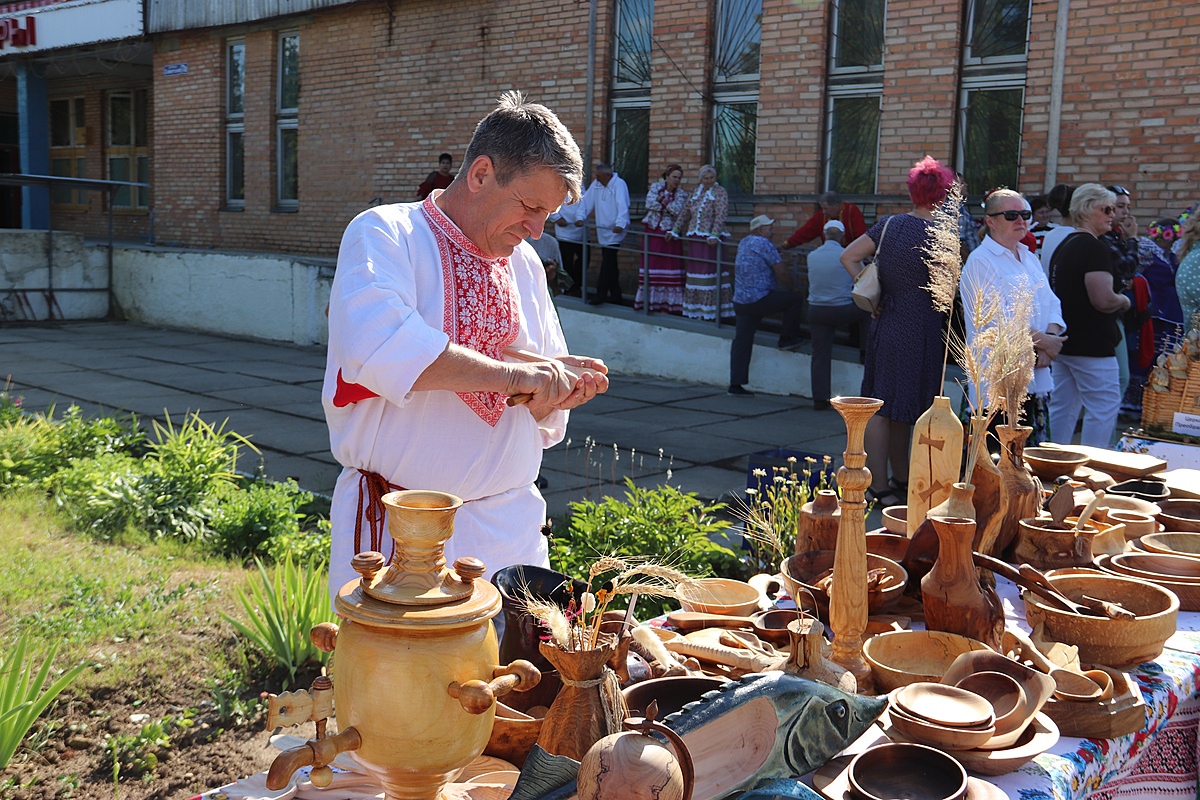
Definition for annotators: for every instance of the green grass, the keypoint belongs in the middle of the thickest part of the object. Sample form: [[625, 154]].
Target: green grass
[[117, 608]]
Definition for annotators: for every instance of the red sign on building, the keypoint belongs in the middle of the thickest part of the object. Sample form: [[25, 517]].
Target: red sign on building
[[17, 33]]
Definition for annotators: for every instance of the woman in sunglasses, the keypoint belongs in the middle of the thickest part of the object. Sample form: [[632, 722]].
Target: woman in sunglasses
[[1001, 264], [1086, 374]]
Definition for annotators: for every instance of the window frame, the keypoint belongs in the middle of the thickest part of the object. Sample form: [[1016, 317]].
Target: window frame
[[854, 70], [832, 96], [74, 152], [732, 98], [625, 104], [135, 153], [235, 126], [971, 60], [750, 78], [618, 27], [984, 84], [287, 120]]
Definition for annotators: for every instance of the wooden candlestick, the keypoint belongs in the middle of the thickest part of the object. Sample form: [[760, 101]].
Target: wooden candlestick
[[848, 596]]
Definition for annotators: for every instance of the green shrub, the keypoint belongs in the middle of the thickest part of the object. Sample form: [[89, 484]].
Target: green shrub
[[245, 520], [281, 609], [137, 755], [305, 547], [661, 524], [33, 447]]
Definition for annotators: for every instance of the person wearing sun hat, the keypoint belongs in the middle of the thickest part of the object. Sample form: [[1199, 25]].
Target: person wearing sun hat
[[758, 274]]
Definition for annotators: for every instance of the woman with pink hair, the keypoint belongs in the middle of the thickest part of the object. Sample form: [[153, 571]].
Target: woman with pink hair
[[905, 345]]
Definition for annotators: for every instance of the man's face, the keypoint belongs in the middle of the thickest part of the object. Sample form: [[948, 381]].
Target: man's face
[[1042, 215], [1122, 209], [604, 176], [832, 210], [444, 166], [509, 214]]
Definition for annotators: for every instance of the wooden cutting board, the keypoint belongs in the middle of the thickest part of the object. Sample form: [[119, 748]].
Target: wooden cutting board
[[1183, 482], [1136, 465]]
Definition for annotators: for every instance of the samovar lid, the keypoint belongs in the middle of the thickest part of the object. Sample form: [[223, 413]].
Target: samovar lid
[[416, 589]]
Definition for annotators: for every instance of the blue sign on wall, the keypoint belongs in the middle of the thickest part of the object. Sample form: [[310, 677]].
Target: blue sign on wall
[[175, 69]]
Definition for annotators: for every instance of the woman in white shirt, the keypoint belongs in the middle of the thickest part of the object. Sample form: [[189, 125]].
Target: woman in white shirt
[[994, 269]]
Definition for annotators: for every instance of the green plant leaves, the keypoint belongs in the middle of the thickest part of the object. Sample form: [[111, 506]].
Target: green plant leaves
[[24, 694]]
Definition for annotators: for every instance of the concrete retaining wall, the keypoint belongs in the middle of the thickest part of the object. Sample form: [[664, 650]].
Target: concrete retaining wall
[[33, 261]]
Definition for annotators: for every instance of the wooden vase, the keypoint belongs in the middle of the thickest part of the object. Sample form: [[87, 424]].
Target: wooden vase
[[935, 460], [589, 706], [951, 593], [848, 598], [807, 636], [1023, 493], [991, 496], [819, 521], [923, 550]]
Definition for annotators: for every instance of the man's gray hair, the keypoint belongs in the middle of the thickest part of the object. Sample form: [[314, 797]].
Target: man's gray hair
[[519, 136], [1087, 197], [830, 199]]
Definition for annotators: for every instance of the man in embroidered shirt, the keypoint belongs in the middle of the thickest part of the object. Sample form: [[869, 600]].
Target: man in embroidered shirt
[[608, 199], [427, 304]]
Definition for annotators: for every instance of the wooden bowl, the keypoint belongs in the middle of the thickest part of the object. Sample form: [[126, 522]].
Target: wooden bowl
[[1126, 503], [803, 570], [1151, 489], [1037, 686], [1136, 523], [943, 704], [1002, 692], [1180, 515], [895, 519], [1050, 462], [1173, 543], [899, 658], [1188, 592], [923, 731], [1073, 686], [1046, 544], [923, 772], [1039, 736], [718, 596], [672, 693], [1157, 566], [1116, 643], [889, 545]]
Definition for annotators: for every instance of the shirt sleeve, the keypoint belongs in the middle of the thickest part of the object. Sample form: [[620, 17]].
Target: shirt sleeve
[[856, 226], [808, 231], [622, 205], [377, 338]]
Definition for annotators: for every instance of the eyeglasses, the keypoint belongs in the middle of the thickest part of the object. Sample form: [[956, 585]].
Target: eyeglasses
[[1012, 215], [1119, 190], [1109, 210]]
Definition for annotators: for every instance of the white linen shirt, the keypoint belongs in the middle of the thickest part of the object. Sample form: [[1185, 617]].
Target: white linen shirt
[[611, 206], [993, 270], [386, 317], [568, 213]]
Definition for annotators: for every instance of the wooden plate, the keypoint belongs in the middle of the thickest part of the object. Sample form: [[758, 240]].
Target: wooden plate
[[945, 705], [1188, 592], [922, 731], [1040, 736], [1177, 543], [1157, 566]]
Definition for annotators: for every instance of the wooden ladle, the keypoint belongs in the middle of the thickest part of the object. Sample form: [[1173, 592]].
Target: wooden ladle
[[1028, 577], [766, 624]]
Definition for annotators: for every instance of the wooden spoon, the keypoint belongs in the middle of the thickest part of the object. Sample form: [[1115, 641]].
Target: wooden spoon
[[1088, 510], [1043, 589]]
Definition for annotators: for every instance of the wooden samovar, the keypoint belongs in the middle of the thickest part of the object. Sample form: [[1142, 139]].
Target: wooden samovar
[[415, 675]]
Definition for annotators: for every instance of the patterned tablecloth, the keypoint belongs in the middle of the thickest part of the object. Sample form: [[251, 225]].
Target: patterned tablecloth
[[1159, 761]]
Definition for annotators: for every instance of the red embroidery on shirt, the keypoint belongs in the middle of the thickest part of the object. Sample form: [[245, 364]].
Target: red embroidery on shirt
[[348, 393], [480, 305]]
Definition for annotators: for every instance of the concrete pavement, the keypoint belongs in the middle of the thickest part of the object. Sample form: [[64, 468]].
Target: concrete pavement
[[656, 431]]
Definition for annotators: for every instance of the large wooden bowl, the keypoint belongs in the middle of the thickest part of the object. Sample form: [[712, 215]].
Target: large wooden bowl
[[1126, 503], [1188, 592], [718, 596], [899, 658], [923, 773], [1173, 542], [1116, 643], [895, 519], [1136, 523], [1037, 686], [889, 545], [1157, 566], [803, 570], [1050, 462], [1180, 515]]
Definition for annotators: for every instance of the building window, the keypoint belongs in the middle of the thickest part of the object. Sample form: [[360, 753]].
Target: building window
[[993, 93], [128, 147], [631, 145], [855, 83], [287, 121], [735, 93], [68, 137], [991, 125], [629, 139], [852, 143], [735, 129], [235, 124], [857, 34]]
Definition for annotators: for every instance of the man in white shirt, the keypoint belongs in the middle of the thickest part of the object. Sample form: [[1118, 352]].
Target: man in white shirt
[[608, 199], [570, 242], [428, 304]]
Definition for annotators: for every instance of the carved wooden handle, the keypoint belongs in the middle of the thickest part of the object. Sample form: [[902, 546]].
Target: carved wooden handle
[[477, 697], [319, 753], [722, 655]]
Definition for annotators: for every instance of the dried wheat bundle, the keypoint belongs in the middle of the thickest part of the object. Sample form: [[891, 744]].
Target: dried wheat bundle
[[1011, 358], [943, 252]]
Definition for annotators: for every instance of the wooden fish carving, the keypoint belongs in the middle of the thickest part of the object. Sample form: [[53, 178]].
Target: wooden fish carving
[[760, 728]]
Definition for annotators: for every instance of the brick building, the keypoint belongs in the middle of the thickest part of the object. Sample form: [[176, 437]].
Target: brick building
[[260, 130]]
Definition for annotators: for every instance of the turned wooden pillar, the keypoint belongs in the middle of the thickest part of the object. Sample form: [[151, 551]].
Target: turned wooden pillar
[[848, 596]]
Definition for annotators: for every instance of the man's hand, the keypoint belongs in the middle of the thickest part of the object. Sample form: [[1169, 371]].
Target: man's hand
[[578, 223], [592, 381], [618, 229], [545, 383]]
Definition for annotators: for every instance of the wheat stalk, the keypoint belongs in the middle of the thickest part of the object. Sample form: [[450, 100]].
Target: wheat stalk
[[943, 254]]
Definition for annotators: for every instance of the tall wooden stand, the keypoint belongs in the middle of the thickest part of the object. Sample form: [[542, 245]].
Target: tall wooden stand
[[848, 596]]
